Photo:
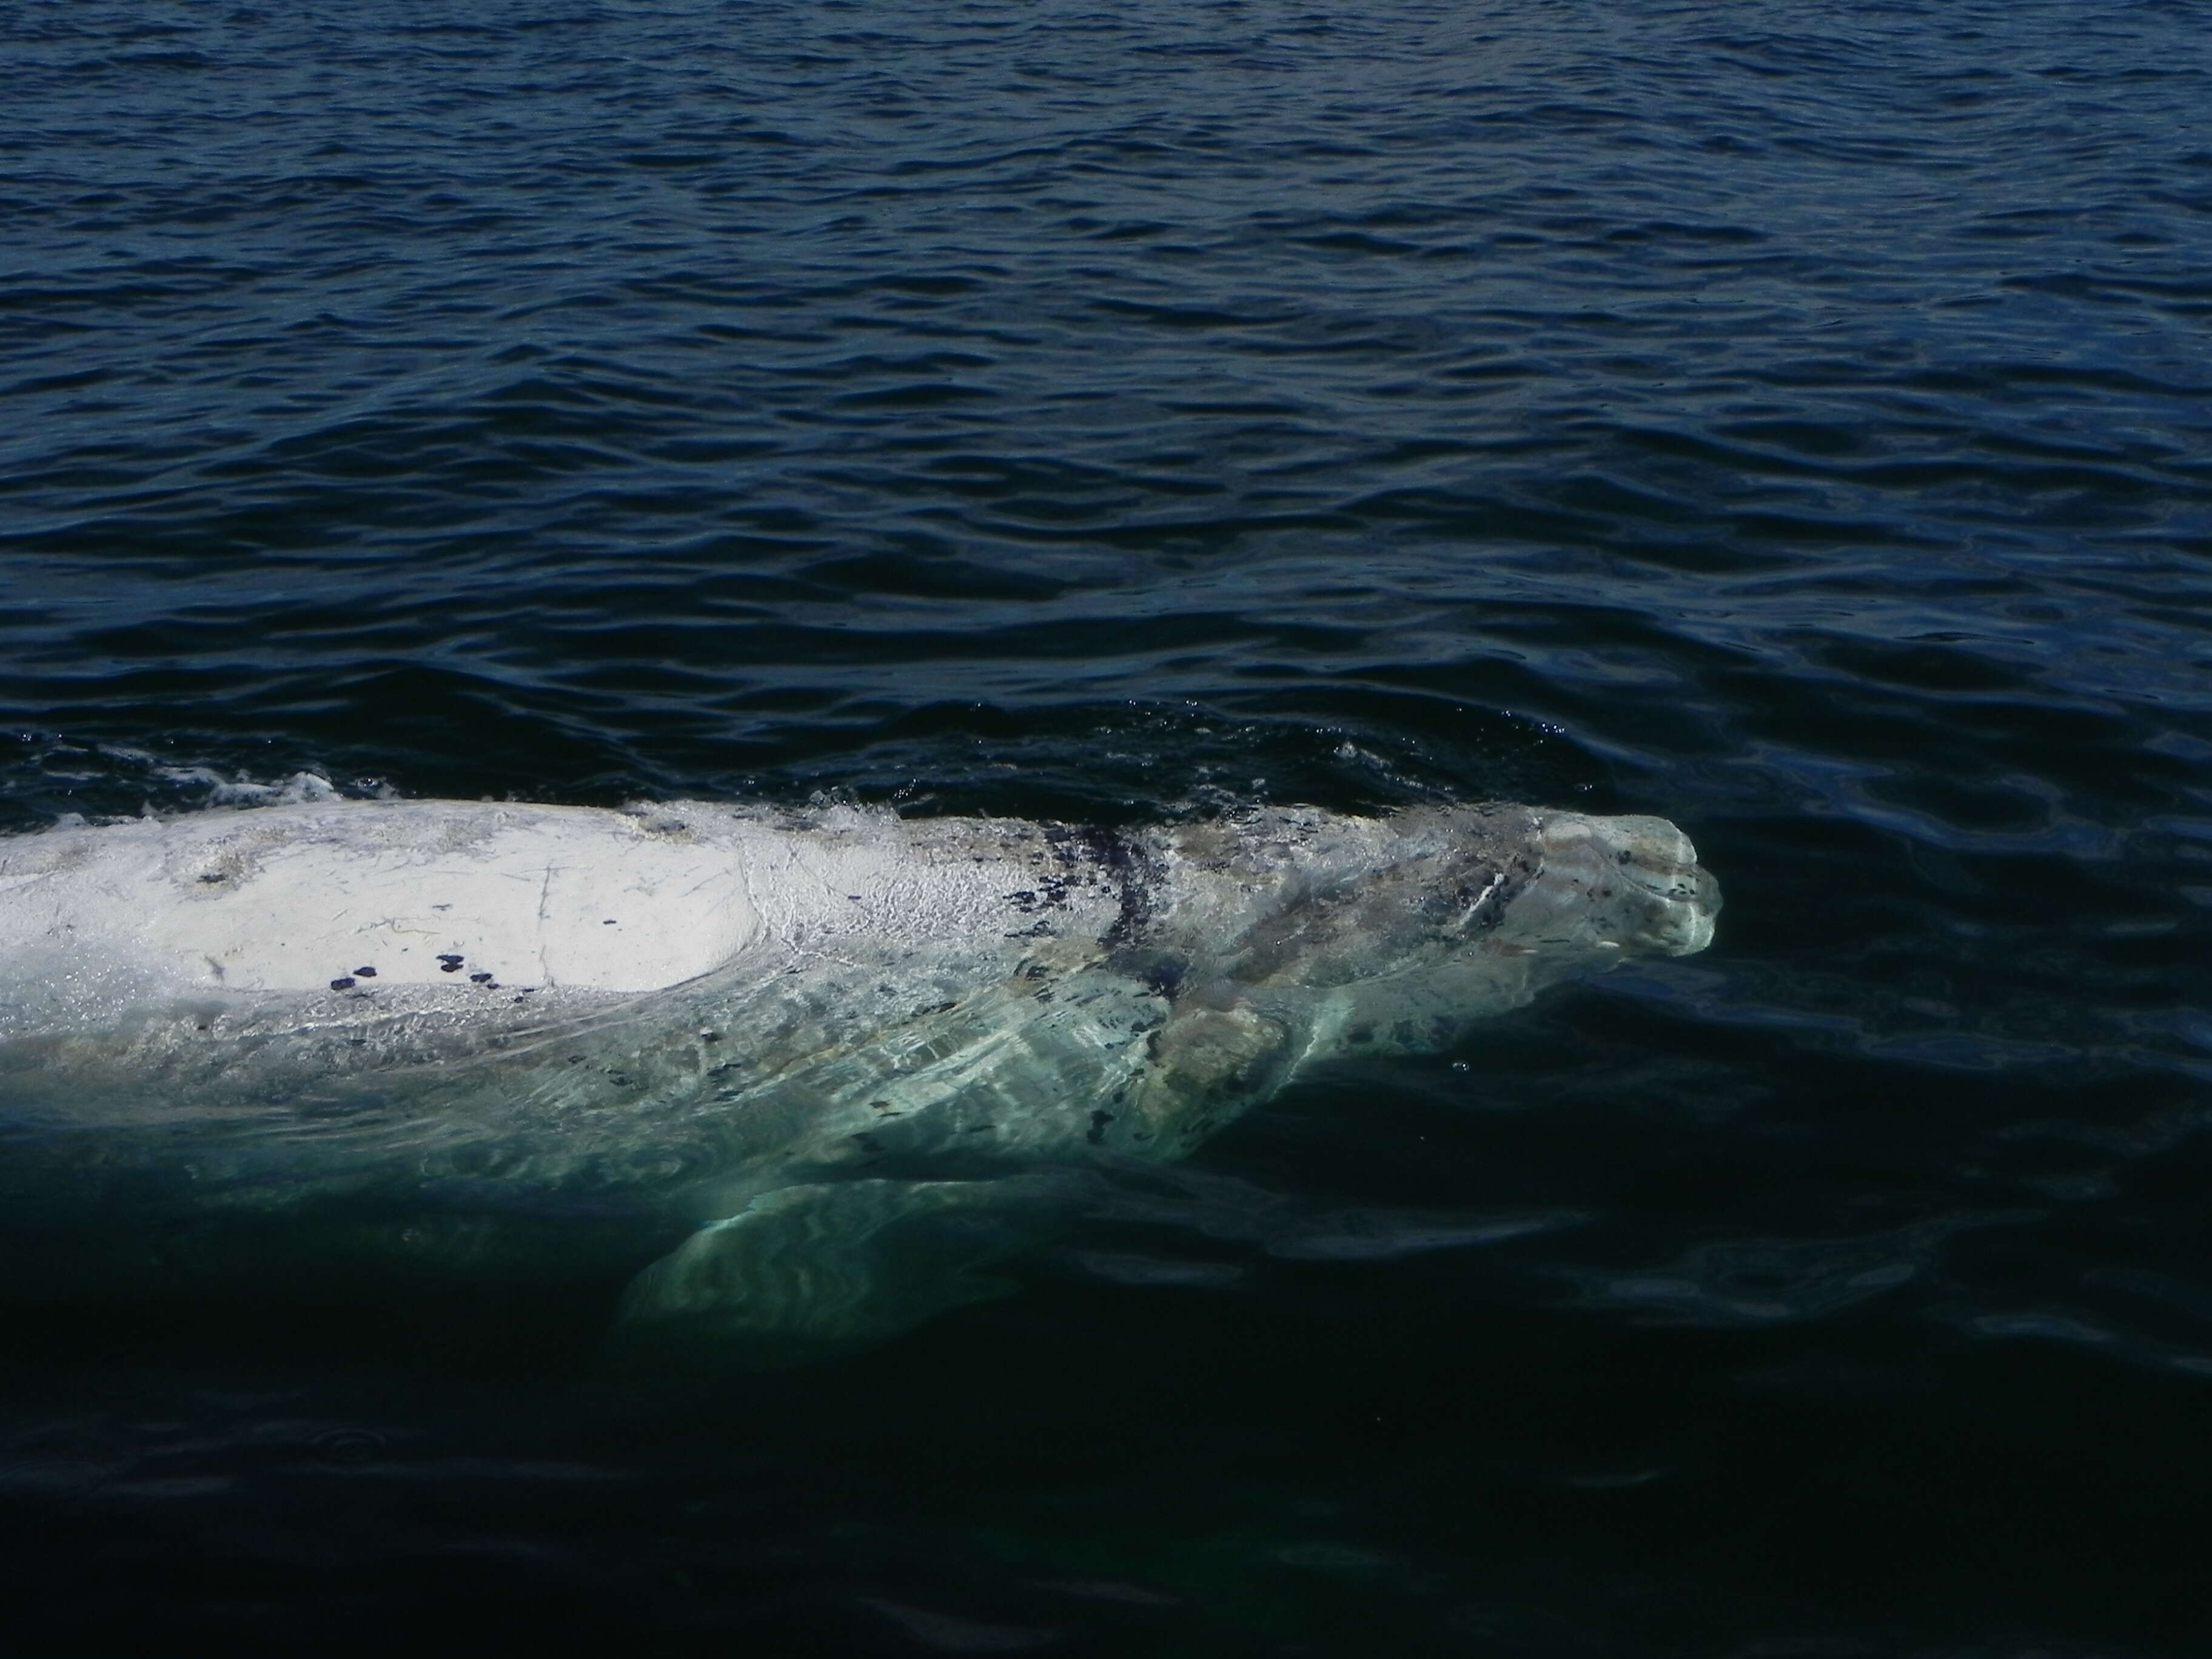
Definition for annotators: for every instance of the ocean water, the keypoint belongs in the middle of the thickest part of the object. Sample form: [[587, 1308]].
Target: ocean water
[[1793, 420]]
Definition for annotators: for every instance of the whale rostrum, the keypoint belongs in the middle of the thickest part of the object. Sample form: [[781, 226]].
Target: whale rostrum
[[794, 1039]]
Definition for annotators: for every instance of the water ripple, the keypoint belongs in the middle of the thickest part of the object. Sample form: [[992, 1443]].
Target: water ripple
[[1792, 422]]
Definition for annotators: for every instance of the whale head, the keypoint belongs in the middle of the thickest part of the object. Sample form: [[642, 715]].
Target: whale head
[[1630, 885], [1388, 934]]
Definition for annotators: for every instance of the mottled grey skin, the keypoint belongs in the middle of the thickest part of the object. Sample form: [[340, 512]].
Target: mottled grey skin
[[877, 1062]]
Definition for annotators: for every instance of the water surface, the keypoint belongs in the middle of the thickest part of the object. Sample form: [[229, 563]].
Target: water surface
[[1788, 420]]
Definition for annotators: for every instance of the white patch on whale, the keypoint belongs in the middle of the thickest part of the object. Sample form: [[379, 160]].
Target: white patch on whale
[[832, 1043]]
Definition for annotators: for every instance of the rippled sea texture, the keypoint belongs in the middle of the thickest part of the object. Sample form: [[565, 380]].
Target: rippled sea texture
[[1793, 420]]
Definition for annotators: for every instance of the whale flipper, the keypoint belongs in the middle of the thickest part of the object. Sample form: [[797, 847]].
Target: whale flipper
[[1207, 1062], [829, 1266]]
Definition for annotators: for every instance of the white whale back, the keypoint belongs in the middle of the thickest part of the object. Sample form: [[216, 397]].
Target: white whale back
[[290, 899]]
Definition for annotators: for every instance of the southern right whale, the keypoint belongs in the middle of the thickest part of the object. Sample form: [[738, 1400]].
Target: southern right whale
[[794, 1039]]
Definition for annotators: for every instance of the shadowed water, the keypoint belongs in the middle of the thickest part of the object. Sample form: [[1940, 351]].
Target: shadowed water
[[1789, 421]]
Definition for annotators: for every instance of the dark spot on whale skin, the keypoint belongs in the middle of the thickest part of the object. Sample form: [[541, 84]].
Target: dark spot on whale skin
[[211, 876], [1245, 1079], [448, 963], [609, 923], [979, 1128], [1099, 1120], [575, 1060], [1135, 872], [710, 1036], [365, 973], [342, 984], [1049, 893], [479, 979]]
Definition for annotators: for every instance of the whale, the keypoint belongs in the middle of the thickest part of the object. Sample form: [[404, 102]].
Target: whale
[[812, 1053]]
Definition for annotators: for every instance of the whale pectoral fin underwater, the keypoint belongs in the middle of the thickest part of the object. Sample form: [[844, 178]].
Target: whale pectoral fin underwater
[[808, 1271], [1208, 1064], [820, 1267]]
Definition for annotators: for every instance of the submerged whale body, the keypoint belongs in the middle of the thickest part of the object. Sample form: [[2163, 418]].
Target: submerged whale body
[[808, 1048]]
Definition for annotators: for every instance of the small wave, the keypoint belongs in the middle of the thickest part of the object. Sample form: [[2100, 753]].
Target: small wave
[[296, 790]]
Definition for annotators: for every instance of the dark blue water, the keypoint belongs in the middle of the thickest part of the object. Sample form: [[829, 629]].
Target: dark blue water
[[1792, 420]]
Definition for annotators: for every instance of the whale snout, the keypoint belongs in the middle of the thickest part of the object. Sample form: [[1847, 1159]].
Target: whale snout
[[1627, 883], [1682, 898]]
